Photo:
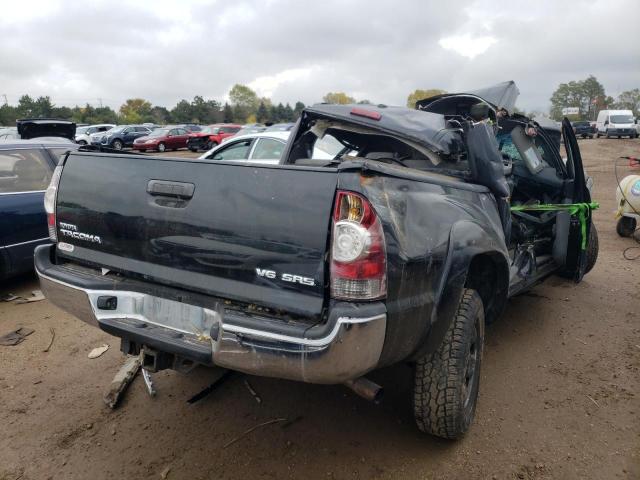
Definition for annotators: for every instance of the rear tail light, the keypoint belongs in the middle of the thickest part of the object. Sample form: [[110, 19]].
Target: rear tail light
[[358, 253], [50, 203]]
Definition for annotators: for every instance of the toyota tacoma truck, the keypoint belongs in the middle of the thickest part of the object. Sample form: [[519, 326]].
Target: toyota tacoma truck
[[398, 248]]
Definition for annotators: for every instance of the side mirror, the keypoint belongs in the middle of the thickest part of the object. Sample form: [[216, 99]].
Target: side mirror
[[606, 122]]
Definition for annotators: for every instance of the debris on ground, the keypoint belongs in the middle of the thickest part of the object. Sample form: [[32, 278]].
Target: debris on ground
[[291, 422], [8, 297], [36, 296], [15, 337], [96, 352], [216, 383], [121, 381], [252, 391], [165, 473], [149, 383], [247, 432], [53, 337]]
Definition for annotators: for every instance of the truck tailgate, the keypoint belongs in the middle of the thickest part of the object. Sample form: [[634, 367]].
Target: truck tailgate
[[250, 233]]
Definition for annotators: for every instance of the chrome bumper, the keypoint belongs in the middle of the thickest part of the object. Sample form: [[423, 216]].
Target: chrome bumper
[[330, 354]]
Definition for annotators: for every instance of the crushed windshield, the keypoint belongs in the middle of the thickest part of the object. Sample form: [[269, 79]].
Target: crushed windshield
[[621, 119]]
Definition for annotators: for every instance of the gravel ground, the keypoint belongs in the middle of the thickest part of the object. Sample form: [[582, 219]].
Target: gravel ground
[[559, 395]]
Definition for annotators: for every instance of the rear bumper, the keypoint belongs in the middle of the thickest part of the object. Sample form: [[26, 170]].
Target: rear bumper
[[346, 347]]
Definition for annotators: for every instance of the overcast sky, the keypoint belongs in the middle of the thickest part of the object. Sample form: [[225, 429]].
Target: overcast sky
[[78, 52]]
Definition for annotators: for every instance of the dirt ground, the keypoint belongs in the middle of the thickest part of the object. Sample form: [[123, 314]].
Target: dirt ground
[[559, 395]]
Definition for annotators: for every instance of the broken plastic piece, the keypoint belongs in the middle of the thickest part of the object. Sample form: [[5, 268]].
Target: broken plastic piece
[[96, 352]]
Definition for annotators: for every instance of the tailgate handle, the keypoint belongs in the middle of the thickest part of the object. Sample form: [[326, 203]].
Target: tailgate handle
[[171, 189]]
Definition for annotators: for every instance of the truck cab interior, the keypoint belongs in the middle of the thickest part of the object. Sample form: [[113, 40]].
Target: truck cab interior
[[535, 172]]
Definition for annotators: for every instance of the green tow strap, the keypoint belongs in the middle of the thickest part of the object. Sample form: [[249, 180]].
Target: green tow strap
[[579, 209]]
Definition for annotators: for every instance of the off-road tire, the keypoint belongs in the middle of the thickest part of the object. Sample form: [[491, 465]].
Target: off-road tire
[[592, 249], [117, 145], [446, 382], [162, 147], [626, 226]]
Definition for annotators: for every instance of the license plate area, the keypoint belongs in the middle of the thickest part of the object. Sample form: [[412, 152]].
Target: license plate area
[[177, 316]]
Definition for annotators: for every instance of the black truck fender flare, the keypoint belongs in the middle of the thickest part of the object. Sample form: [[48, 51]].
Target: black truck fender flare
[[469, 243]]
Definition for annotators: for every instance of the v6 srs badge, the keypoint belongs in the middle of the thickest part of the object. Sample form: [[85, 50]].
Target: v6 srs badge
[[286, 277]]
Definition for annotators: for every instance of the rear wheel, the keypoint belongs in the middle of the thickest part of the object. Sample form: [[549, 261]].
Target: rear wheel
[[82, 142], [626, 226], [162, 147], [446, 382], [117, 144], [592, 249]]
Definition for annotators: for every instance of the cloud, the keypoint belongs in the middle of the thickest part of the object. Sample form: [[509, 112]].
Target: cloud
[[164, 51], [466, 45]]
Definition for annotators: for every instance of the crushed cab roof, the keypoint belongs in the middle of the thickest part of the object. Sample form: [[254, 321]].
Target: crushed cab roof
[[427, 129]]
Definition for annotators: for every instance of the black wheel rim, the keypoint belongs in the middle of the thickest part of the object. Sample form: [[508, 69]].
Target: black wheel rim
[[471, 368]]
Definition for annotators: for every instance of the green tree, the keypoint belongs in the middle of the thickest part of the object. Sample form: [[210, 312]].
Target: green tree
[[263, 113], [419, 94], [182, 112], [160, 115], [26, 107], [62, 112], [244, 101], [273, 114], [205, 111], [43, 108], [135, 110], [8, 115], [629, 100], [587, 95], [338, 98], [297, 110], [288, 113], [227, 113]]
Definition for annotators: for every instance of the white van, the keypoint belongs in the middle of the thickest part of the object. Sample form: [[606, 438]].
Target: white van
[[616, 123]]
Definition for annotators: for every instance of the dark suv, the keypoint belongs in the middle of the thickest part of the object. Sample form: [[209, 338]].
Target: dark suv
[[583, 129], [123, 136]]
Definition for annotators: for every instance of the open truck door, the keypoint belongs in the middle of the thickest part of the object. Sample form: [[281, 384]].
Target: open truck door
[[580, 223]]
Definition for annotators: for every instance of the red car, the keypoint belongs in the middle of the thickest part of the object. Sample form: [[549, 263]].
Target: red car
[[210, 136], [162, 139]]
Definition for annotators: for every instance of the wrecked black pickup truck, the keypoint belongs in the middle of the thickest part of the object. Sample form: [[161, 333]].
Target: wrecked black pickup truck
[[397, 249]]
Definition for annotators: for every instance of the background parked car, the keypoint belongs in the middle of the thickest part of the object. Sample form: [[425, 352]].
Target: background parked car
[[8, 133], [26, 167], [212, 135], [583, 129], [161, 139], [122, 136], [616, 123], [280, 127], [247, 130], [83, 133], [265, 147]]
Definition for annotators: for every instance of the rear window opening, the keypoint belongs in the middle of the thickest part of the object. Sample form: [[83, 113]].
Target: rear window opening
[[334, 142]]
